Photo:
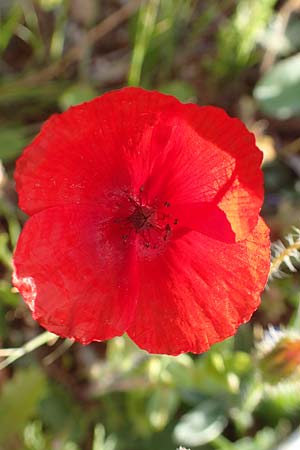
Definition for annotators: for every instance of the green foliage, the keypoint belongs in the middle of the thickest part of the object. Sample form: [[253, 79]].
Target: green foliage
[[75, 94], [181, 90], [144, 31], [101, 442], [59, 411], [9, 24], [50, 4], [236, 40], [19, 402], [33, 436], [12, 141], [278, 91], [279, 403], [263, 440], [15, 93], [201, 425], [7, 296], [157, 32], [161, 406], [5, 254], [280, 39]]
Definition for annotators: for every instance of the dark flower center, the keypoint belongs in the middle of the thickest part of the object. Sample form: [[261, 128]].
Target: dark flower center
[[141, 217], [154, 223]]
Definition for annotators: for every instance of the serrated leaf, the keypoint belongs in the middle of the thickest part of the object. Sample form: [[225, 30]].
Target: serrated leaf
[[19, 401]]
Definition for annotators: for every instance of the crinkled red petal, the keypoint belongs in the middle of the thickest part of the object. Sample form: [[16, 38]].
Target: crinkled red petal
[[201, 155], [207, 218], [199, 292], [195, 167], [241, 196], [76, 273], [83, 155], [132, 139]]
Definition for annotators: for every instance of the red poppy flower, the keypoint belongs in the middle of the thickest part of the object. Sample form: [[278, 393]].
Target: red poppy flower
[[144, 219]]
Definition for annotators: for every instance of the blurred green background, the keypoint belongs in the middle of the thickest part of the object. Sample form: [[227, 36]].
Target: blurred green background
[[242, 55]]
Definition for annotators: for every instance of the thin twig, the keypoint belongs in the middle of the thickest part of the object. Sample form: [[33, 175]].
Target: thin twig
[[38, 341], [6, 352], [58, 352]]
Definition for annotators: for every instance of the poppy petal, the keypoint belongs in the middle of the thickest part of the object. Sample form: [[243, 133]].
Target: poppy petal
[[242, 196], [203, 290], [83, 155], [201, 155], [132, 138], [76, 273], [207, 218]]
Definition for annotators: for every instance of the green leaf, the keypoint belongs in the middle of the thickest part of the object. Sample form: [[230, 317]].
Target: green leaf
[[59, 412], [34, 438], [278, 91], [76, 94], [19, 401], [265, 439], [161, 407], [5, 254], [179, 371], [12, 141], [48, 5], [145, 27], [121, 353], [180, 89], [202, 425], [9, 25], [7, 296], [236, 40], [280, 40], [14, 229], [101, 442], [16, 92]]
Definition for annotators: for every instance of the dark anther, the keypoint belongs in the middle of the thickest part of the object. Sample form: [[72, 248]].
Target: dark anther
[[147, 244], [142, 189], [175, 221], [167, 204], [168, 231]]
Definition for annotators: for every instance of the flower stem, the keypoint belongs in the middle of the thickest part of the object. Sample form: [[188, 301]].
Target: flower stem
[[28, 347]]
